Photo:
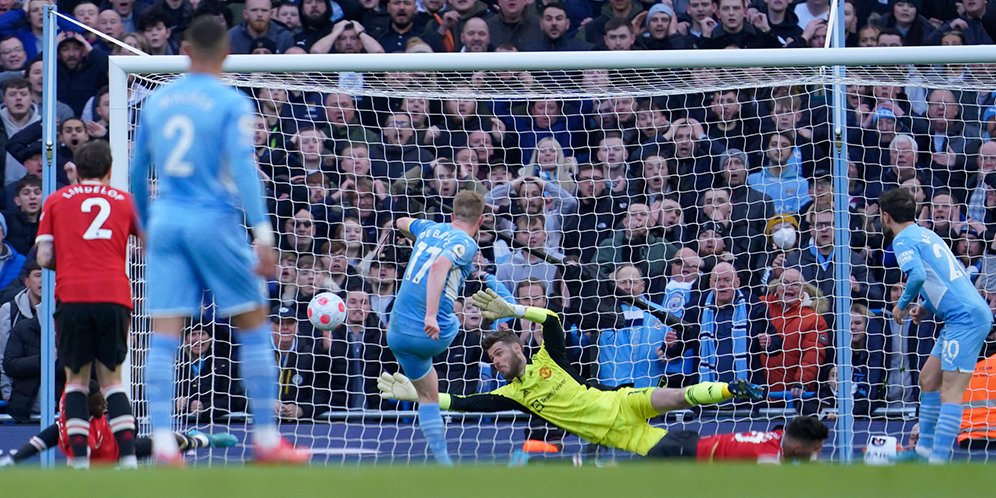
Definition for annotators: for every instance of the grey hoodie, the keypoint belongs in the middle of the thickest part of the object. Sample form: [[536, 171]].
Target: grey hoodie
[[15, 170]]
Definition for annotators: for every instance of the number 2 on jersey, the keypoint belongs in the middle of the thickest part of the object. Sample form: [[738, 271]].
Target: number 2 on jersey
[[433, 253], [96, 230], [953, 265], [180, 128]]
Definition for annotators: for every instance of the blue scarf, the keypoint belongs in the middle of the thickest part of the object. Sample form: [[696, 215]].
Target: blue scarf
[[708, 362]]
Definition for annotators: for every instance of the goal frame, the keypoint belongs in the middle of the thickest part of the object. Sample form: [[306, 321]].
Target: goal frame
[[832, 61]]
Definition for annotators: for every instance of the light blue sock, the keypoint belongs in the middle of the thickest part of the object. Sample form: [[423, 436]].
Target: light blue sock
[[159, 379], [431, 423], [948, 423], [259, 370], [930, 408]]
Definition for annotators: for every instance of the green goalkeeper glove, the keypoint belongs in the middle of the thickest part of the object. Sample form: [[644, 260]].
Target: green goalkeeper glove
[[492, 306], [397, 387]]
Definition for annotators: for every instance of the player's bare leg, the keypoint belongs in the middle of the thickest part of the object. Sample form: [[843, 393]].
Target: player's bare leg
[[119, 415], [159, 379], [77, 411], [259, 371]]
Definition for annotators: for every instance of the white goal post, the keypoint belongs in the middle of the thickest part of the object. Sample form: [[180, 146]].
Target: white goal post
[[738, 69]]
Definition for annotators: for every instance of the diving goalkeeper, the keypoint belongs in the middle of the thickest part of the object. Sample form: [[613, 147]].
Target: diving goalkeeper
[[547, 386]]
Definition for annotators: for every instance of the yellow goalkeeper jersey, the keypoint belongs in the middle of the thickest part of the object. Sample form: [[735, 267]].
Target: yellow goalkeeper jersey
[[551, 389]]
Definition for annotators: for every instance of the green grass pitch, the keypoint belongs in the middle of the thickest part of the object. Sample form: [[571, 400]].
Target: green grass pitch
[[640, 479]]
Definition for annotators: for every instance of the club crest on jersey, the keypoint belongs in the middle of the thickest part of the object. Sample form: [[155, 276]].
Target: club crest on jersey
[[459, 250], [545, 373], [675, 303]]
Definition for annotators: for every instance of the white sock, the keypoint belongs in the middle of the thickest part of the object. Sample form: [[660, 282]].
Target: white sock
[[128, 462], [266, 436], [164, 443], [79, 463]]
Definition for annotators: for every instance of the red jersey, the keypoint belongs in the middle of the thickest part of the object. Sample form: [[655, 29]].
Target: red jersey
[[761, 447], [103, 446], [89, 225]]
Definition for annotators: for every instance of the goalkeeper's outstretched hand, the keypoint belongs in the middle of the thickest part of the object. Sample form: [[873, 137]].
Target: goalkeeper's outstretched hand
[[492, 306], [397, 387]]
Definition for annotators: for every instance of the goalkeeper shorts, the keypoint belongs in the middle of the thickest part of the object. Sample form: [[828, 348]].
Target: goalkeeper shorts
[[630, 431]]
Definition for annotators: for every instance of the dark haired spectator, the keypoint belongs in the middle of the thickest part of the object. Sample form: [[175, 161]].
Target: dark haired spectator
[[214, 8], [597, 213], [257, 23], [750, 206], [736, 30], [615, 12], [442, 32], [34, 72], [208, 383], [948, 139], [515, 265], [297, 396], [72, 135], [905, 17], [530, 195], [86, 12], [289, 17], [733, 124], [890, 37], [12, 58], [130, 11], [26, 23], [343, 123], [781, 175], [178, 13], [657, 29], [156, 26], [459, 366], [81, 71], [397, 153], [633, 243], [316, 18], [555, 25], [347, 37], [22, 306], [11, 261], [783, 22], [404, 23], [22, 222]]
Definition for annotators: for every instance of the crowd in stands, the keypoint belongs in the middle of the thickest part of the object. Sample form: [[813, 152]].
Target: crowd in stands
[[714, 207]]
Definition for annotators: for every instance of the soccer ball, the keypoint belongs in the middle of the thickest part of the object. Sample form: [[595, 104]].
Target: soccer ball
[[326, 311]]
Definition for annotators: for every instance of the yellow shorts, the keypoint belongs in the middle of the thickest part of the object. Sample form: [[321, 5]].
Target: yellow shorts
[[630, 431]]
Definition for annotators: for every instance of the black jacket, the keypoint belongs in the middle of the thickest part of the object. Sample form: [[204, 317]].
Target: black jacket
[[593, 222], [459, 367], [22, 363], [331, 366], [21, 231], [212, 380]]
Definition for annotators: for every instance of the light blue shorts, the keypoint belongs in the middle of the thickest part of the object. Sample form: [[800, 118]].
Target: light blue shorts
[[959, 344], [414, 351], [185, 260]]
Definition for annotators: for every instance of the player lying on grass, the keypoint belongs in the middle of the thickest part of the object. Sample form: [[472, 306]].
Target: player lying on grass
[[800, 440], [549, 387], [103, 448]]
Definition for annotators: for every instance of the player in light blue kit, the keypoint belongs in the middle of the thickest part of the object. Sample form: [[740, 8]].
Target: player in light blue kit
[[195, 135], [422, 322], [934, 273]]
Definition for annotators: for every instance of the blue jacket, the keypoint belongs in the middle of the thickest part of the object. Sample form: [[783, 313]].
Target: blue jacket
[[11, 262], [628, 355], [788, 192], [15, 23]]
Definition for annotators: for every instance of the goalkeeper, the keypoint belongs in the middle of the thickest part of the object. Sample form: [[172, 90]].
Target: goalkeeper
[[550, 388]]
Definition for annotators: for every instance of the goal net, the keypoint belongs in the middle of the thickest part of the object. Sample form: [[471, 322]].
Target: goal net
[[623, 199]]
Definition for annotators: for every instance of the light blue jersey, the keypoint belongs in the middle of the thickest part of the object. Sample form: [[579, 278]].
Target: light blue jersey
[[933, 272], [406, 335], [195, 136]]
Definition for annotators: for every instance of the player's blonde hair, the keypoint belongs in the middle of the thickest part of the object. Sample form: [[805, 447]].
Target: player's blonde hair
[[468, 206]]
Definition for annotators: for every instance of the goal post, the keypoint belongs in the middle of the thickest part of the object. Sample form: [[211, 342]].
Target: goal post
[[752, 75]]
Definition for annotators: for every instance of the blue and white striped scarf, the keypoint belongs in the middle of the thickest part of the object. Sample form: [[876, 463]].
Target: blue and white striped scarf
[[708, 361]]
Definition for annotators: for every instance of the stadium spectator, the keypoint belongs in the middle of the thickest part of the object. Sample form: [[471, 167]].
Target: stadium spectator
[[347, 37], [659, 29], [555, 25], [948, 139], [781, 176], [289, 17], [734, 125], [257, 22], [475, 36], [86, 12], [11, 261], [109, 23], [815, 260], [543, 118], [22, 363], [530, 292], [404, 23], [868, 35], [693, 166], [343, 122], [459, 367], [730, 322], [974, 20], [942, 215], [619, 35], [598, 210], [515, 266], [680, 293], [979, 185], [12, 57], [904, 165], [783, 22], [635, 244], [628, 355], [72, 134], [735, 30], [795, 350], [338, 275], [208, 385], [430, 191], [297, 397], [17, 113], [316, 17], [357, 354], [513, 25], [809, 10], [617, 13], [156, 26], [81, 70], [22, 306], [383, 284], [905, 17], [299, 233], [654, 182], [750, 206], [22, 222], [33, 73], [529, 195]]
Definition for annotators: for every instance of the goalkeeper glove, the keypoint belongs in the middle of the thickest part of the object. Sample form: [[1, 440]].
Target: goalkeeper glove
[[397, 387], [492, 306]]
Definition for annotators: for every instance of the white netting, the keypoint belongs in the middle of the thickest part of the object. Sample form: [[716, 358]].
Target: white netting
[[697, 190]]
